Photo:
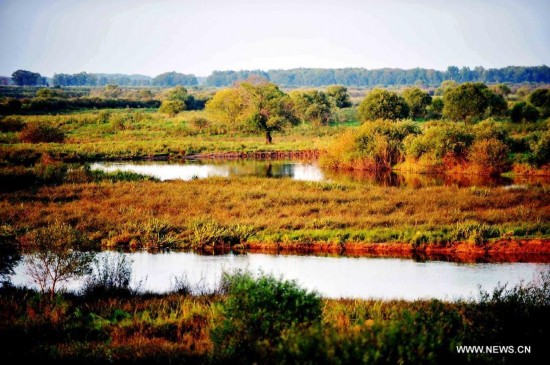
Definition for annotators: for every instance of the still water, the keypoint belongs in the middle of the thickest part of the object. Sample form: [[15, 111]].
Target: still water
[[304, 171], [332, 277]]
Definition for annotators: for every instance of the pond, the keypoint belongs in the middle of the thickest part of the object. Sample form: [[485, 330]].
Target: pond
[[299, 170], [332, 277]]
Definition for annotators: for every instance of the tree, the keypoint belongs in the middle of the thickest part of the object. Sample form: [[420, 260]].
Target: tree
[[313, 106], [382, 104], [540, 98], [179, 93], [418, 101], [523, 111], [339, 96], [226, 106], [23, 78], [467, 102], [53, 257], [174, 79]]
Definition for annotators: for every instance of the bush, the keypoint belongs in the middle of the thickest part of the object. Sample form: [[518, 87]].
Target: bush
[[111, 275], [374, 146], [11, 124], [37, 133], [522, 111], [489, 157], [438, 141], [171, 107], [540, 149], [255, 315], [199, 123]]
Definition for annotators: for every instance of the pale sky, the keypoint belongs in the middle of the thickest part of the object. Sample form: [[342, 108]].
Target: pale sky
[[198, 36]]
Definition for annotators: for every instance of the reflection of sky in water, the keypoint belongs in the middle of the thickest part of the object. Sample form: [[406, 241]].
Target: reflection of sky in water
[[331, 276], [190, 170]]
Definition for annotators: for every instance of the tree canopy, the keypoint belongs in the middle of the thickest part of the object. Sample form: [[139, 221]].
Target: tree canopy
[[382, 104], [467, 102], [418, 101], [28, 78]]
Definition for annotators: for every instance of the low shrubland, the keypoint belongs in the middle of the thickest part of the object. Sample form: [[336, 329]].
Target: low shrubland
[[261, 319]]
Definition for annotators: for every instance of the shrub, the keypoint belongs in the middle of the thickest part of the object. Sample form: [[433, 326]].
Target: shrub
[[489, 156], [11, 124], [37, 133], [255, 315], [439, 141], [111, 275], [540, 149], [199, 123], [374, 146], [171, 107]]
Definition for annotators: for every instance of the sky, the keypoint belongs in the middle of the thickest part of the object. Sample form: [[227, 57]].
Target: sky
[[198, 36]]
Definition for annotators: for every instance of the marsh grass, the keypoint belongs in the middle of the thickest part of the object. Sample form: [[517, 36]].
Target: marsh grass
[[236, 211]]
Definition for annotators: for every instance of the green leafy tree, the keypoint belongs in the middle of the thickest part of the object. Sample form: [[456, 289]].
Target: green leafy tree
[[179, 93], [523, 112], [226, 106], [267, 108], [540, 98], [382, 104], [24, 78], [312, 106], [467, 102], [418, 101], [339, 96], [435, 109]]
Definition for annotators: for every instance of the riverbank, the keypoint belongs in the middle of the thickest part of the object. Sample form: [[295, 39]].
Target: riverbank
[[500, 250], [125, 327]]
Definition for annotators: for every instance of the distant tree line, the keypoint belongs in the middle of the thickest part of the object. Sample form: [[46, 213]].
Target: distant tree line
[[386, 76], [299, 77]]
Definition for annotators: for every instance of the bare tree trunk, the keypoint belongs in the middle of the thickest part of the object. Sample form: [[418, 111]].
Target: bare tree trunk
[[268, 138]]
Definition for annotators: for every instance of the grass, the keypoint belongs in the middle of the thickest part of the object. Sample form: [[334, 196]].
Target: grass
[[129, 213], [174, 328]]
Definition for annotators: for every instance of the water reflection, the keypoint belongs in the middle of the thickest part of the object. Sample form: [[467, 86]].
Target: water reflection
[[304, 171], [333, 277]]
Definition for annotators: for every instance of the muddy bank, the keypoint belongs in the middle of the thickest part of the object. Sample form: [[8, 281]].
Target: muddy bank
[[516, 250]]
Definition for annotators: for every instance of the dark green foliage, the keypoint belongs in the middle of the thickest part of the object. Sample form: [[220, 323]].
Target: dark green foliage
[[540, 98], [339, 96], [523, 111], [302, 77], [435, 109], [382, 104], [41, 133], [418, 101], [174, 79], [256, 313], [467, 102], [313, 106], [540, 148], [23, 77]]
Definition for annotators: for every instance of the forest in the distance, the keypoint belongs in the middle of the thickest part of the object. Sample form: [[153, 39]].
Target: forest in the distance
[[298, 77]]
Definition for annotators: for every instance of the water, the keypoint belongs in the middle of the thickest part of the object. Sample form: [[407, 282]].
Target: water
[[304, 171], [332, 277]]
